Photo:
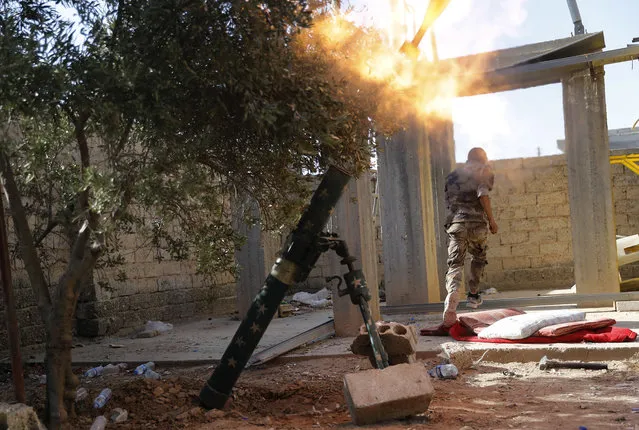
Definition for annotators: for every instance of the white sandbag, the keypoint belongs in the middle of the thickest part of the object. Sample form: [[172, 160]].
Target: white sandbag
[[523, 326]]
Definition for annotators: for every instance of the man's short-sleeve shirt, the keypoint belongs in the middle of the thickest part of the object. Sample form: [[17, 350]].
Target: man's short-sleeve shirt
[[463, 188]]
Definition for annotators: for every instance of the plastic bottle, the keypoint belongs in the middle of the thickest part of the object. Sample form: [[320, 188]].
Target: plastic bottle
[[99, 423], [150, 374], [81, 394], [143, 367], [102, 398], [93, 372], [444, 371], [111, 369]]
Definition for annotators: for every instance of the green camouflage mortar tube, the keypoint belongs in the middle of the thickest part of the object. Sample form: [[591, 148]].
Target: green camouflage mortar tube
[[299, 255]]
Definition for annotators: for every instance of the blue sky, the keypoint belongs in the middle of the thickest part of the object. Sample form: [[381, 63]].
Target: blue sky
[[521, 123]]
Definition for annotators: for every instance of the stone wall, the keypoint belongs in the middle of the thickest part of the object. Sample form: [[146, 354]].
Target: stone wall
[[152, 290], [533, 249]]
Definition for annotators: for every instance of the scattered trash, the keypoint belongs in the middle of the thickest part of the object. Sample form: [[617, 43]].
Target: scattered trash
[[99, 423], [490, 291], [81, 394], [583, 428], [316, 300], [512, 374], [78, 345], [284, 310], [113, 345], [42, 379], [111, 369], [444, 371], [635, 410], [94, 372], [155, 328], [119, 415], [143, 367], [150, 374], [102, 398]]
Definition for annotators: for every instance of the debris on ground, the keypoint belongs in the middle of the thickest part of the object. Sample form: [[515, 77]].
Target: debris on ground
[[155, 328], [490, 291], [310, 395], [19, 416], [102, 399], [320, 299], [99, 423], [142, 368], [119, 415], [94, 372]]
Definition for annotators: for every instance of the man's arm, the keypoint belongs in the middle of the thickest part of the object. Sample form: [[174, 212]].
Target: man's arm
[[485, 203]]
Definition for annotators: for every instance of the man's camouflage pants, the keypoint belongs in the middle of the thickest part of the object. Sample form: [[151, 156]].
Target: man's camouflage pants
[[463, 236]]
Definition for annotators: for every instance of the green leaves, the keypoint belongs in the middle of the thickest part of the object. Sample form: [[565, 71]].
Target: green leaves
[[184, 104]]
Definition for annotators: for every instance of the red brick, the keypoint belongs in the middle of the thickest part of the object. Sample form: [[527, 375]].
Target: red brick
[[395, 392]]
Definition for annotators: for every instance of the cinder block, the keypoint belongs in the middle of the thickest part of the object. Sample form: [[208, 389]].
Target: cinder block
[[399, 341], [541, 210], [395, 392], [627, 306], [514, 237], [525, 250], [516, 263]]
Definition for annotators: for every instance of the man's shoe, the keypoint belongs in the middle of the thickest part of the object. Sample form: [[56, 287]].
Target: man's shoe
[[473, 300]]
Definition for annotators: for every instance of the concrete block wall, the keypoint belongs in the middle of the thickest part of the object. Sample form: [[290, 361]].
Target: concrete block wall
[[166, 291], [533, 248]]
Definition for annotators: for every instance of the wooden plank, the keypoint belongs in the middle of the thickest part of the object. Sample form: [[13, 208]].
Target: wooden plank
[[320, 332]]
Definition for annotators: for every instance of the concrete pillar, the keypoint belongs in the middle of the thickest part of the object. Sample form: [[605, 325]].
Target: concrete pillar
[[354, 223], [407, 216], [442, 159], [256, 257], [590, 183]]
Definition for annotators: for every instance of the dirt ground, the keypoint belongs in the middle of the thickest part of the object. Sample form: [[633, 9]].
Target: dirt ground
[[309, 395]]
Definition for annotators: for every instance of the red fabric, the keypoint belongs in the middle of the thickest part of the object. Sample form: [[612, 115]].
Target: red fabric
[[477, 321], [571, 327], [602, 335]]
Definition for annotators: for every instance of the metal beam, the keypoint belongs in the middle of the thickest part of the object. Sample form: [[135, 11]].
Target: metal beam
[[542, 73], [563, 299]]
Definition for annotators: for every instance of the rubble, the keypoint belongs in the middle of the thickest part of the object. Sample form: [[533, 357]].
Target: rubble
[[19, 417], [119, 415]]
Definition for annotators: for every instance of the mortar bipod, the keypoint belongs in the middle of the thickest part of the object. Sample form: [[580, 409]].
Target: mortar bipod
[[359, 293]]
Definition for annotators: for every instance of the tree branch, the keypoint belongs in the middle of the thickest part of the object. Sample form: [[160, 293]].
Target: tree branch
[[27, 246], [50, 226]]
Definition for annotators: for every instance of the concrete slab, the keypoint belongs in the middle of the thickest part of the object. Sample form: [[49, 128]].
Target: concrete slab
[[627, 306], [204, 341], [193, 342]]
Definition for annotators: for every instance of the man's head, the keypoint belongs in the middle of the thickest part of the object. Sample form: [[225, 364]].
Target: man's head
[[477, 155]]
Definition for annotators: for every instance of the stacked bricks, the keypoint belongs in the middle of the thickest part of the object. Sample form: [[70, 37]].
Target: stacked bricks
[[400, 343], [533, 249]]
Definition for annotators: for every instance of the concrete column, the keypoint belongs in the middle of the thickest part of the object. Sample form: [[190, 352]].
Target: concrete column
[[256, 257], [442, 150], [590, 182], [354, 223], [407, 216]]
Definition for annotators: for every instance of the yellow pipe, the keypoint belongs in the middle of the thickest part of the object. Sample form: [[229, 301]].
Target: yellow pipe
[[630, 161]]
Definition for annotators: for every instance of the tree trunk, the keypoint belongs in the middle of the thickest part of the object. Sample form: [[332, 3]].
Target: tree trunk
[[61, 382]]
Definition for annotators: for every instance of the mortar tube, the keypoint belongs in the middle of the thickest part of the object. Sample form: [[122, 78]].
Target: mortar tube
[[299, 256]]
